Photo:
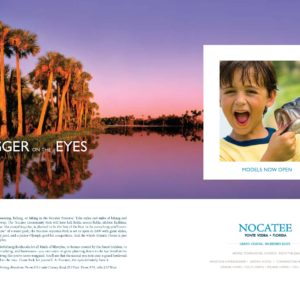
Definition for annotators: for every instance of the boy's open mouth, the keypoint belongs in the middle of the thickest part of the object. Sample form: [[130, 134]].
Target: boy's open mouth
[[242, 117]]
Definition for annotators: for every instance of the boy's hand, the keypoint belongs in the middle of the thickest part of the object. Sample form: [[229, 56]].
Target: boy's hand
[[282, 146]]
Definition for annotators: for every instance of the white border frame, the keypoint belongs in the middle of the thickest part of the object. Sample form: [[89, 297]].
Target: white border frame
[[213, 168]]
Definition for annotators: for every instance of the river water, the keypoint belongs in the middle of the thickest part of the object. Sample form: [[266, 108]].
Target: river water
[[127, 163]]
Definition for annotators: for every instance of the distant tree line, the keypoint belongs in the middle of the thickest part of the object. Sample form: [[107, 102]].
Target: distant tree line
[[54, 96], [191, 118]]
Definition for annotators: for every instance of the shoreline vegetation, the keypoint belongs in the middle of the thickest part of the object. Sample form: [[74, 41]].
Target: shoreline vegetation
[[55, 97], [190, 119]]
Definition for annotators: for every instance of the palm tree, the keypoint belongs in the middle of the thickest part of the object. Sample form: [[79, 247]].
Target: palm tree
[[23, 43], [93, 111], [4, 49], [87, 102], [39, 83], [82, 99], [68, 68], [12, 97], [47, 66], [81, 95]]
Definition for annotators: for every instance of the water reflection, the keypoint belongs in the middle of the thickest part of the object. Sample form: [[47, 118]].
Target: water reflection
[[128, 163], [189, 134], [55, 174], [52, 173]]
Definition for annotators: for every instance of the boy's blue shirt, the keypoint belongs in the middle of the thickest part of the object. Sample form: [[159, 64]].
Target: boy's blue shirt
[[252, 142]]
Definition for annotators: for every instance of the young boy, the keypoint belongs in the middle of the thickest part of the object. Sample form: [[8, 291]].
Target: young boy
[[247, 90]]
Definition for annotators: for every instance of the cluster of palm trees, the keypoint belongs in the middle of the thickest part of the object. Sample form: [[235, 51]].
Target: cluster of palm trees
[[62, 85]]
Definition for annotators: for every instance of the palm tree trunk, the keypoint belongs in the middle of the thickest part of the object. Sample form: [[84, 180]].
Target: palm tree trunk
[[67, 122], [81, 114], [78, 107], [79, 118], [52, 98], [85, 114], [58, 95], [20, 109], [38, 131], [9, 88], [18, 175], [62, 101], [3, 124]]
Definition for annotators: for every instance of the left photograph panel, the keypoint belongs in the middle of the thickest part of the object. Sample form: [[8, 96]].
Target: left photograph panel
[[85, 112]]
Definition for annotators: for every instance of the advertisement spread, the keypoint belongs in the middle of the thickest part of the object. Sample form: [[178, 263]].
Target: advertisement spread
[[149, 150]]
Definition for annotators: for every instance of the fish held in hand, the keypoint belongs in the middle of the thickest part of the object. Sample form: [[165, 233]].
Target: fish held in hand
[[288, 116]]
